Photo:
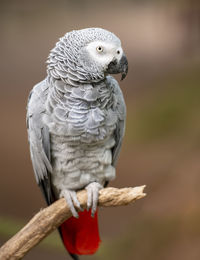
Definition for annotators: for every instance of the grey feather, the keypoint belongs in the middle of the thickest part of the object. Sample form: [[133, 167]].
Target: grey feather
[[121, 113], [39, 138]]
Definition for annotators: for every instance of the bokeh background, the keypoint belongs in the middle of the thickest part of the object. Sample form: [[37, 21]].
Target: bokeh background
[[162, 143]]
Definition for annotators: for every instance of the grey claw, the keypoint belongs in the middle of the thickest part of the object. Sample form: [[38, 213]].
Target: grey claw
[[75, 200], [93, 196], [95, 202], [71, 199], [89, 200]]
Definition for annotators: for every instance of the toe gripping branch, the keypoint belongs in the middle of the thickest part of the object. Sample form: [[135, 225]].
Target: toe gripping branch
[[92, 199]]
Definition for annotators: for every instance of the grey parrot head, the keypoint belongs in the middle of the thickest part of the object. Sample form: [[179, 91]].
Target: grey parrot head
[[87, 55]]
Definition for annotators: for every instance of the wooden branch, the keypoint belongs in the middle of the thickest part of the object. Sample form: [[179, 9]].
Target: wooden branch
[[48, 219]]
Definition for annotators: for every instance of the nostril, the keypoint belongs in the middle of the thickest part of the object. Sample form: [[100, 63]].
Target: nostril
[[113, 63], [113, 67]]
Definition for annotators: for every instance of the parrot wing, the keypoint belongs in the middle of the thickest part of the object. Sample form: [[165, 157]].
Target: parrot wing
[[119, 133], [121, 113], [39, 139]]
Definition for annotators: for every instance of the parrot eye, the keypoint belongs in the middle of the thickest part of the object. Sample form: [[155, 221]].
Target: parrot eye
[[99, 48], [118, 52]]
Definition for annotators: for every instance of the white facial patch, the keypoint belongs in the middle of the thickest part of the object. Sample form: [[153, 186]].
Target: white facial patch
[[104, 52]]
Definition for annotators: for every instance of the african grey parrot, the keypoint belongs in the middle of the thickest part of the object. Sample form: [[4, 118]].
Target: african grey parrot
[[76, 121]]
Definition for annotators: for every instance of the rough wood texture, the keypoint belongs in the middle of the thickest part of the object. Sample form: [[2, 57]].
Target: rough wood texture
[[48, 219]]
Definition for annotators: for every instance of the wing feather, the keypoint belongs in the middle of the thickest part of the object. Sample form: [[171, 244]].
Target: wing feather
[[120, 108], [39, 139]]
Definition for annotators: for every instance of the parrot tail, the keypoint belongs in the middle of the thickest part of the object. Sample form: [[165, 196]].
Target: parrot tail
[[81, 235]]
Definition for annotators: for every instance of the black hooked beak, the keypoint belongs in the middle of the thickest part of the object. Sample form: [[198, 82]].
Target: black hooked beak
[[120, 66]]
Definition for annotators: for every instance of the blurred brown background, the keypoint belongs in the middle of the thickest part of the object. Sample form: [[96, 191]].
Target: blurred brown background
[[162, 143]]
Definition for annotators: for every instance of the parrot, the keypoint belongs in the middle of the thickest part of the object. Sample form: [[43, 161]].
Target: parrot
[[76, 123]]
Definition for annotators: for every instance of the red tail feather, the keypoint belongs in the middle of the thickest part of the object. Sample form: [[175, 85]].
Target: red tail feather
[[81, 236]]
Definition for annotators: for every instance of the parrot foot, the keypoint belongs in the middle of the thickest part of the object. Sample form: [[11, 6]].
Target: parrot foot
[[71, 199], [93, 196]]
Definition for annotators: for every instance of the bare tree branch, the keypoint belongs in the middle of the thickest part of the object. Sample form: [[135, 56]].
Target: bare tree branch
[[48, 219]]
